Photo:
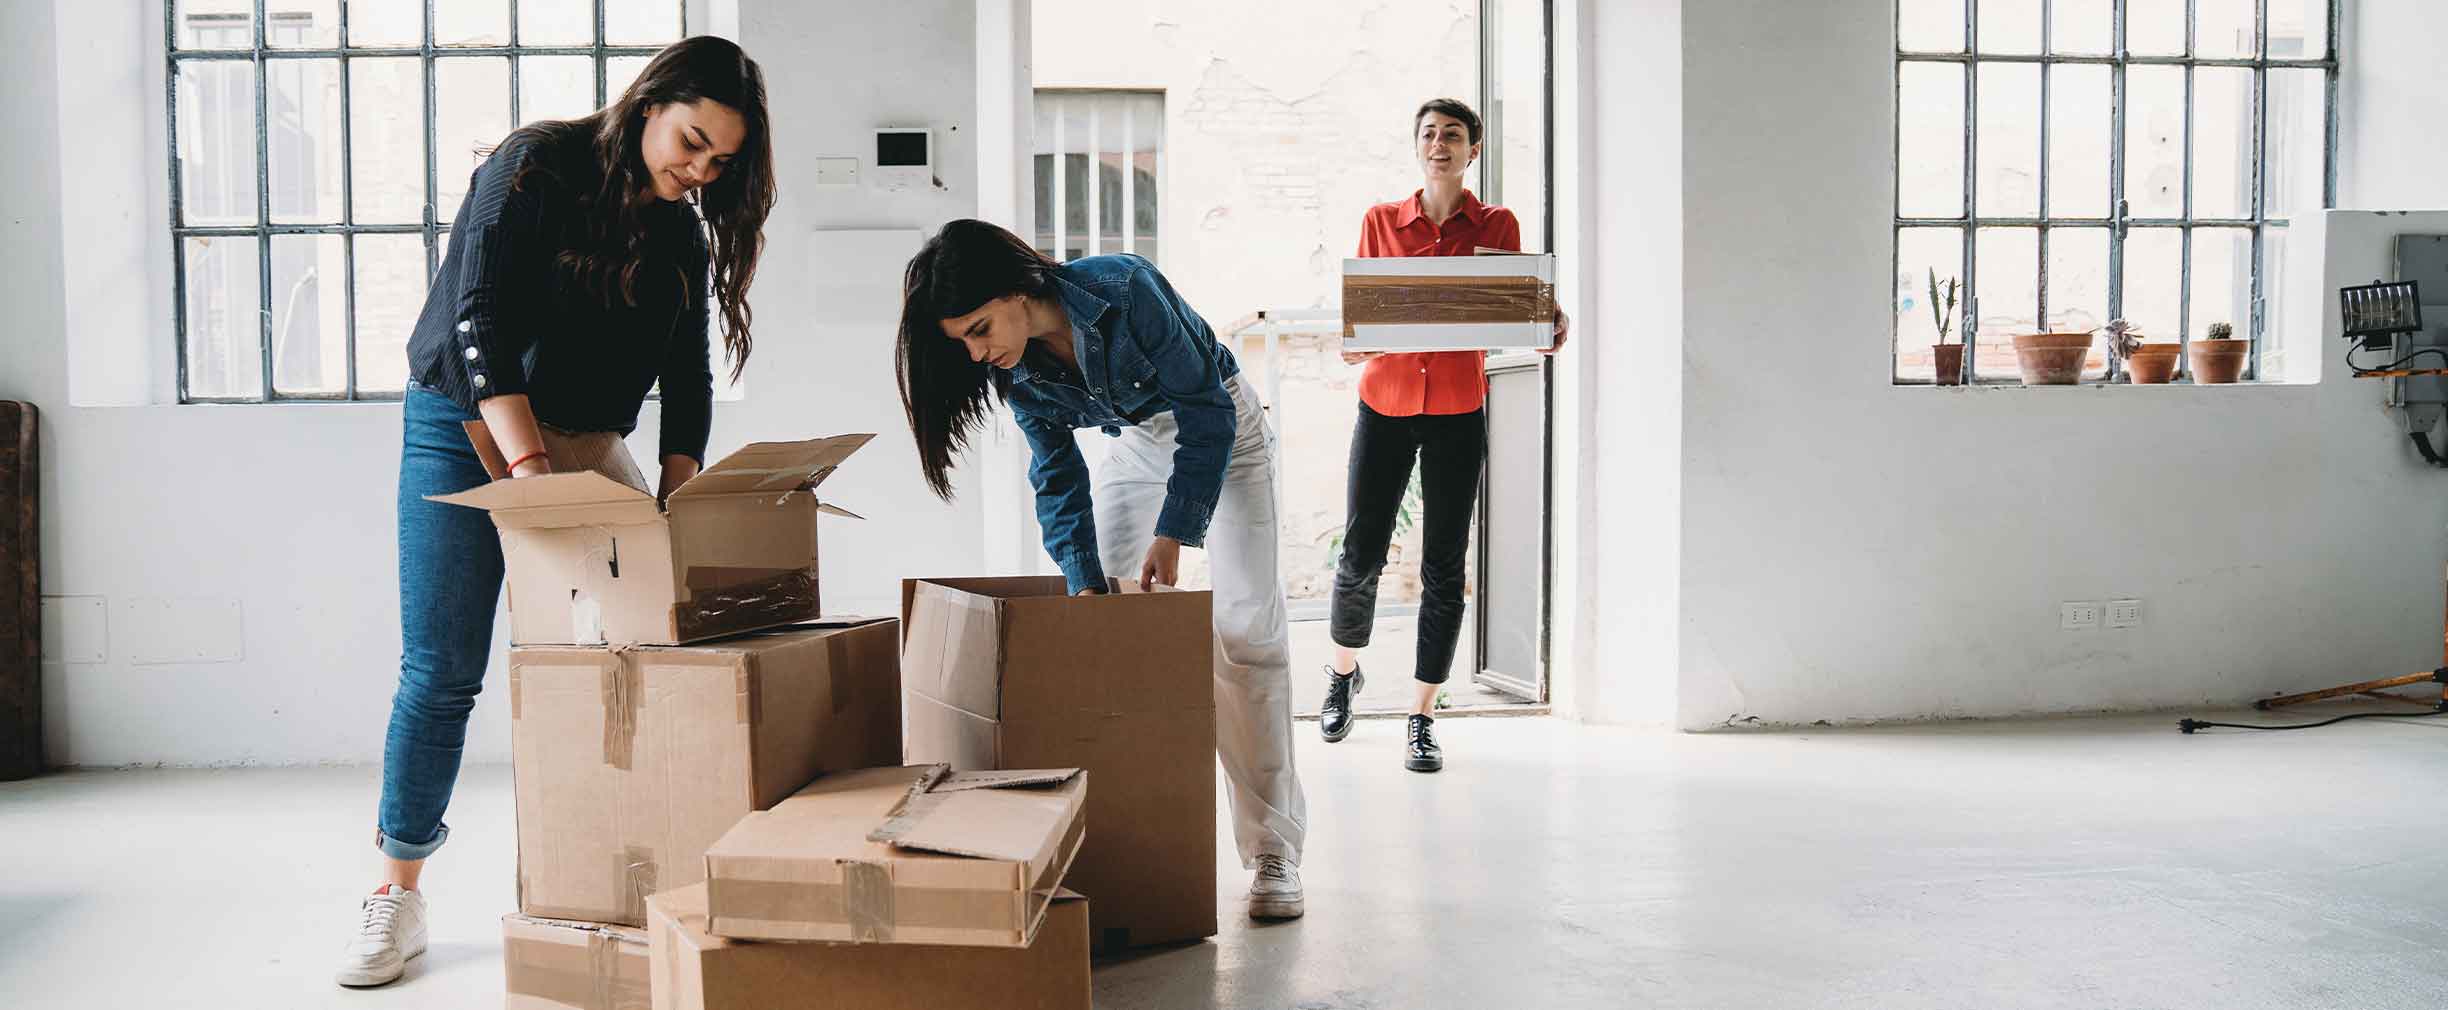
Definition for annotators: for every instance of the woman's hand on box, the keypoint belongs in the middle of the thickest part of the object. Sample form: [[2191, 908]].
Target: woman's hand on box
[[1563, 327], [1163, 565]]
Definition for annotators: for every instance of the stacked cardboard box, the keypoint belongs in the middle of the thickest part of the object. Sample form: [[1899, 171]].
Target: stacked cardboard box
[[672, 695], [1018, 673], [1496, 301]]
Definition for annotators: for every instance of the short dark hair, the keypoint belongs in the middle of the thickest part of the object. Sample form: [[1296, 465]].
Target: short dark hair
[[965, 265], [1449, 107]]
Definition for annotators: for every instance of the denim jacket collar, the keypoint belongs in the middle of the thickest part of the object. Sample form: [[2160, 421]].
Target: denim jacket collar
[[1084, 310]]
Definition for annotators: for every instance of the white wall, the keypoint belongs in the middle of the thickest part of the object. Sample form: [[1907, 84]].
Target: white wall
[[1854, 551], [262, 536]]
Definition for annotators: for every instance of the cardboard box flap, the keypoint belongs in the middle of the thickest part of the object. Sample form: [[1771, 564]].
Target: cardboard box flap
[[776, 467], [504, 498], [839, 511], [1533, 266], [982, 815]]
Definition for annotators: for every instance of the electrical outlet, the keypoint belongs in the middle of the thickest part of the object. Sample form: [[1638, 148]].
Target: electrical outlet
[[2124, 613], [2083, 616]]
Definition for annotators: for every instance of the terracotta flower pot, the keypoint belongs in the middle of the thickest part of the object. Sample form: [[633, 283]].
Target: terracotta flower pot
[[1949, 363], [2152, 364], [2052, 359], [2216, 362]]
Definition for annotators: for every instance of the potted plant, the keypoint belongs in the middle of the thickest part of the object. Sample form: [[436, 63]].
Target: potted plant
[[1948, 357], [2052, 359], [2221, 358], [2148, 364]]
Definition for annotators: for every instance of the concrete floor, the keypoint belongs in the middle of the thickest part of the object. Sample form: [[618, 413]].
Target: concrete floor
[[2064, 864]]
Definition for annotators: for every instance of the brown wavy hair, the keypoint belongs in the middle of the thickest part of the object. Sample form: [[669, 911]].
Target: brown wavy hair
[[612, 241]]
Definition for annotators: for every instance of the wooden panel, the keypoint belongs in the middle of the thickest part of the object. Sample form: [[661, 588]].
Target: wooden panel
[[21, 740]]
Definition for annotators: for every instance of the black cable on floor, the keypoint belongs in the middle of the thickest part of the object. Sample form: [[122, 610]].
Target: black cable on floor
[[2189, 725]]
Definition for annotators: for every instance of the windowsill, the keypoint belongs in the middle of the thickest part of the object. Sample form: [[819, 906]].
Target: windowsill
[[2095, 384]]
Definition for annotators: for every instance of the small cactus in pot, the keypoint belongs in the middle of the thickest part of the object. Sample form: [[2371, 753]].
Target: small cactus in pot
[[2220, 358], [2146, 363]]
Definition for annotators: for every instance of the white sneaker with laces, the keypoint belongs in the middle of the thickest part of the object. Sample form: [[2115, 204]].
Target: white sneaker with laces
[[391, 930], [1275, 892]]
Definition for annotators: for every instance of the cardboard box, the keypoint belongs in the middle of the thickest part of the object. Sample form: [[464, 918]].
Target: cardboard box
[[549, 964], [1449, 303], [1017, 673], [629, 762], [916, 855], [594, 561], [696, 970]]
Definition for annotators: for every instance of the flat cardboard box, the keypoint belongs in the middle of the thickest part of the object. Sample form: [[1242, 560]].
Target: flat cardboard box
[[912, 855], [549, 964], [1018, 673], [629, 762], [1449, 303], [695, 970], [594, 561]]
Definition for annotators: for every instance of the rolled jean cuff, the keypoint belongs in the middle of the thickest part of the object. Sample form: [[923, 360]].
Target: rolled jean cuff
[[396, 849]]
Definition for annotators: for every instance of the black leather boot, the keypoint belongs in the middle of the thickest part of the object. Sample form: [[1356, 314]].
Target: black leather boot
[[1425, 755], [1335, 717]]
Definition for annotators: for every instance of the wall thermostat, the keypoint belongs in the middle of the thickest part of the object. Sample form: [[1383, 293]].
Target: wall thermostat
[[904, 156]]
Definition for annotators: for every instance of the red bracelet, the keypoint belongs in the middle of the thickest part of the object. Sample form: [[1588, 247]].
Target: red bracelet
[[512, 469]]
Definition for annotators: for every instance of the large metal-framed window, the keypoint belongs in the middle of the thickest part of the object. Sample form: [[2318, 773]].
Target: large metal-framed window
[[319, 150], [2076, 161], [1099, 169]]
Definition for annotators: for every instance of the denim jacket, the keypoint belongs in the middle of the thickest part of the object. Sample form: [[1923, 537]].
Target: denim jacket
[[1142, 352]]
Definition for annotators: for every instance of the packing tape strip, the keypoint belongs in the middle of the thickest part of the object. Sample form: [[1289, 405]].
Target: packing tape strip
[[745, 606], [867, 901], [634, 879], [877, 915], [623, 692], [1386, 300]]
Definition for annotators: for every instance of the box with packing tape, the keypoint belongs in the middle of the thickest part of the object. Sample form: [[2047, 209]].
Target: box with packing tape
[[592, 560], [1497, 302], [695, 970], [917, 854], [549, 964], [629, 761], [1018, 673]]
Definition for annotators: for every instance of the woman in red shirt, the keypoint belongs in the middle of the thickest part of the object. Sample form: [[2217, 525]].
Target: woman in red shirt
[[1429, 407]]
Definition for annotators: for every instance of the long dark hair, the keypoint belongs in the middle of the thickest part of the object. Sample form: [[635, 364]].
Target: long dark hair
[[733, 206], [964, 266]]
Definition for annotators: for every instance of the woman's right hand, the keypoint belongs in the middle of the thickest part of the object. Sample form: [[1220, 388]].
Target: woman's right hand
[[1359, 357]]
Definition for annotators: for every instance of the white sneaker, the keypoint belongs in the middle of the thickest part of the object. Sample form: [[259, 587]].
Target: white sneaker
[[1275, 893], [391, 932]]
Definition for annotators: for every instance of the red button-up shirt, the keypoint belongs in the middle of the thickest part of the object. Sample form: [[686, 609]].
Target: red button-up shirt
[[1440, 382]]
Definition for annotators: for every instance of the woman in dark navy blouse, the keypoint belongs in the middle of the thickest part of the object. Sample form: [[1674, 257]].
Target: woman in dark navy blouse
[[580, 273]]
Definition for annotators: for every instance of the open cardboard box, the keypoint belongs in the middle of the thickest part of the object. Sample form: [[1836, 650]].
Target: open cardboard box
[[591, 560]]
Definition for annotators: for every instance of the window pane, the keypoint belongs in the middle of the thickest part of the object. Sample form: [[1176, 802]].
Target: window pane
[[555, 87], [385, 23], [471, 115], [391, 283], [2222, 142], [1049, 138], [2223, 29], [2077, 279], [216, 24], [2081, 117], [2154, 141], [620, 72], [1930, 26], [2299, 29], [386, 139], [2009, 140], [2008, 281], [2154, 273], [1930, 139], [556, 22], [216, 139], [471, 23], [304, 111], [303, 24], [1147, 141], [1918, 252], [309, 332], [2222, 280], [2298, 138], [641, 22], [2082, 27], [224, 330], [2010, 26], [2155, 27]]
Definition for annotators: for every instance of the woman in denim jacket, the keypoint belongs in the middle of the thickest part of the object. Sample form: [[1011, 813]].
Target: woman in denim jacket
[[1104, 342]]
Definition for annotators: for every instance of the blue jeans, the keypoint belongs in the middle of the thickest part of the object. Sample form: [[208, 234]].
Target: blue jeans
[[450, 577]]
